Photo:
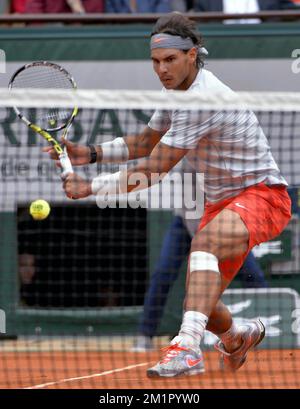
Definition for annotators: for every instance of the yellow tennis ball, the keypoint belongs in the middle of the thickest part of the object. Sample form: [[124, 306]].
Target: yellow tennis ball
[[39, 209]]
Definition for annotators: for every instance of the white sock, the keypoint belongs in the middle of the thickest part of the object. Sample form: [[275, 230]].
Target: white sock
[[193, 327], [231, 338]]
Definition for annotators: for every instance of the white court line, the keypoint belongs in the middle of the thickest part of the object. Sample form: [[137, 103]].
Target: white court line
[[96, 375]]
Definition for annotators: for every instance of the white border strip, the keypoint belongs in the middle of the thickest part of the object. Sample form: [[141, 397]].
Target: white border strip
[[80, 378], [104, 99]]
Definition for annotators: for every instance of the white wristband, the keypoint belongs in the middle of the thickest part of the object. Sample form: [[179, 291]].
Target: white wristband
[[115, 151], [106, 184]]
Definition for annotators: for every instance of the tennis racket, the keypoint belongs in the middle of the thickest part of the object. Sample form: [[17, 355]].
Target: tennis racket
[[44, 74]]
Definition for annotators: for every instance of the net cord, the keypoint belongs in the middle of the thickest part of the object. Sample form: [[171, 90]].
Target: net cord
[[125, 99]]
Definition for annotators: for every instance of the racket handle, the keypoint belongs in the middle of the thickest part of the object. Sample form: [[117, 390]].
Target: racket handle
[[65, 164]]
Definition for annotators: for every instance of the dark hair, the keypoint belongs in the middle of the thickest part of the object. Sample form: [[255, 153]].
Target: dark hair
[[178, 25]]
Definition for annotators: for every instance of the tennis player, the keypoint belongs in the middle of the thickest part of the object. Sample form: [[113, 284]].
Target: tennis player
[[247, 200]]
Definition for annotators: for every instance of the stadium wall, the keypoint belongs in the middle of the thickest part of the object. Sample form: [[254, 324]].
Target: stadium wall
[[117, 57]]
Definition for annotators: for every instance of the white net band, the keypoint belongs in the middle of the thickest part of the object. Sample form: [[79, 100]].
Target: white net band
[[103, 99]]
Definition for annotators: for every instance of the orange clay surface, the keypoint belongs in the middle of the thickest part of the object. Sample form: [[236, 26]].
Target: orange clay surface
[[126, 370]]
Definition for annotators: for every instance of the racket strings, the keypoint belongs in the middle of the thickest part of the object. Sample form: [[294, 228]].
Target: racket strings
[[42, 77], [47, 77]]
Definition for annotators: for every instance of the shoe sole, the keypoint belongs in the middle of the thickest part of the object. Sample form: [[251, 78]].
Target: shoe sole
[[261, 337], [154, 374]]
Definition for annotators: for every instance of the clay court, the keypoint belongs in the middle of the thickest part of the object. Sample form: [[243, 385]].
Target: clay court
[[78, 369]]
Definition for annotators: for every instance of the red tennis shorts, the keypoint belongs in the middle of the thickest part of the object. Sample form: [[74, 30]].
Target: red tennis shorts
[[265, 210]]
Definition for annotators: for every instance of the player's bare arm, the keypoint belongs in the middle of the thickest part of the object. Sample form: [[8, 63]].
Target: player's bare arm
[[146, 173], [162, 159], [118, 150], [139, 146]]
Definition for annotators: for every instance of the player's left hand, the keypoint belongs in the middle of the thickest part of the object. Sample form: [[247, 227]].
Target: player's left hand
[[76, 187]]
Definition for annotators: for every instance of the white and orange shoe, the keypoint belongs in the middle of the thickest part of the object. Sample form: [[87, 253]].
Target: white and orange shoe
[[253, 333], [179, 359]]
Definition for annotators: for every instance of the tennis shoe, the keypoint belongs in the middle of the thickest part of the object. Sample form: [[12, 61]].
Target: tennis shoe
[[178, 359], [252, 334]]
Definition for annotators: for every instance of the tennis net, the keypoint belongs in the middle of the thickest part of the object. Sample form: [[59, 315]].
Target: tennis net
[[73, 286]]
